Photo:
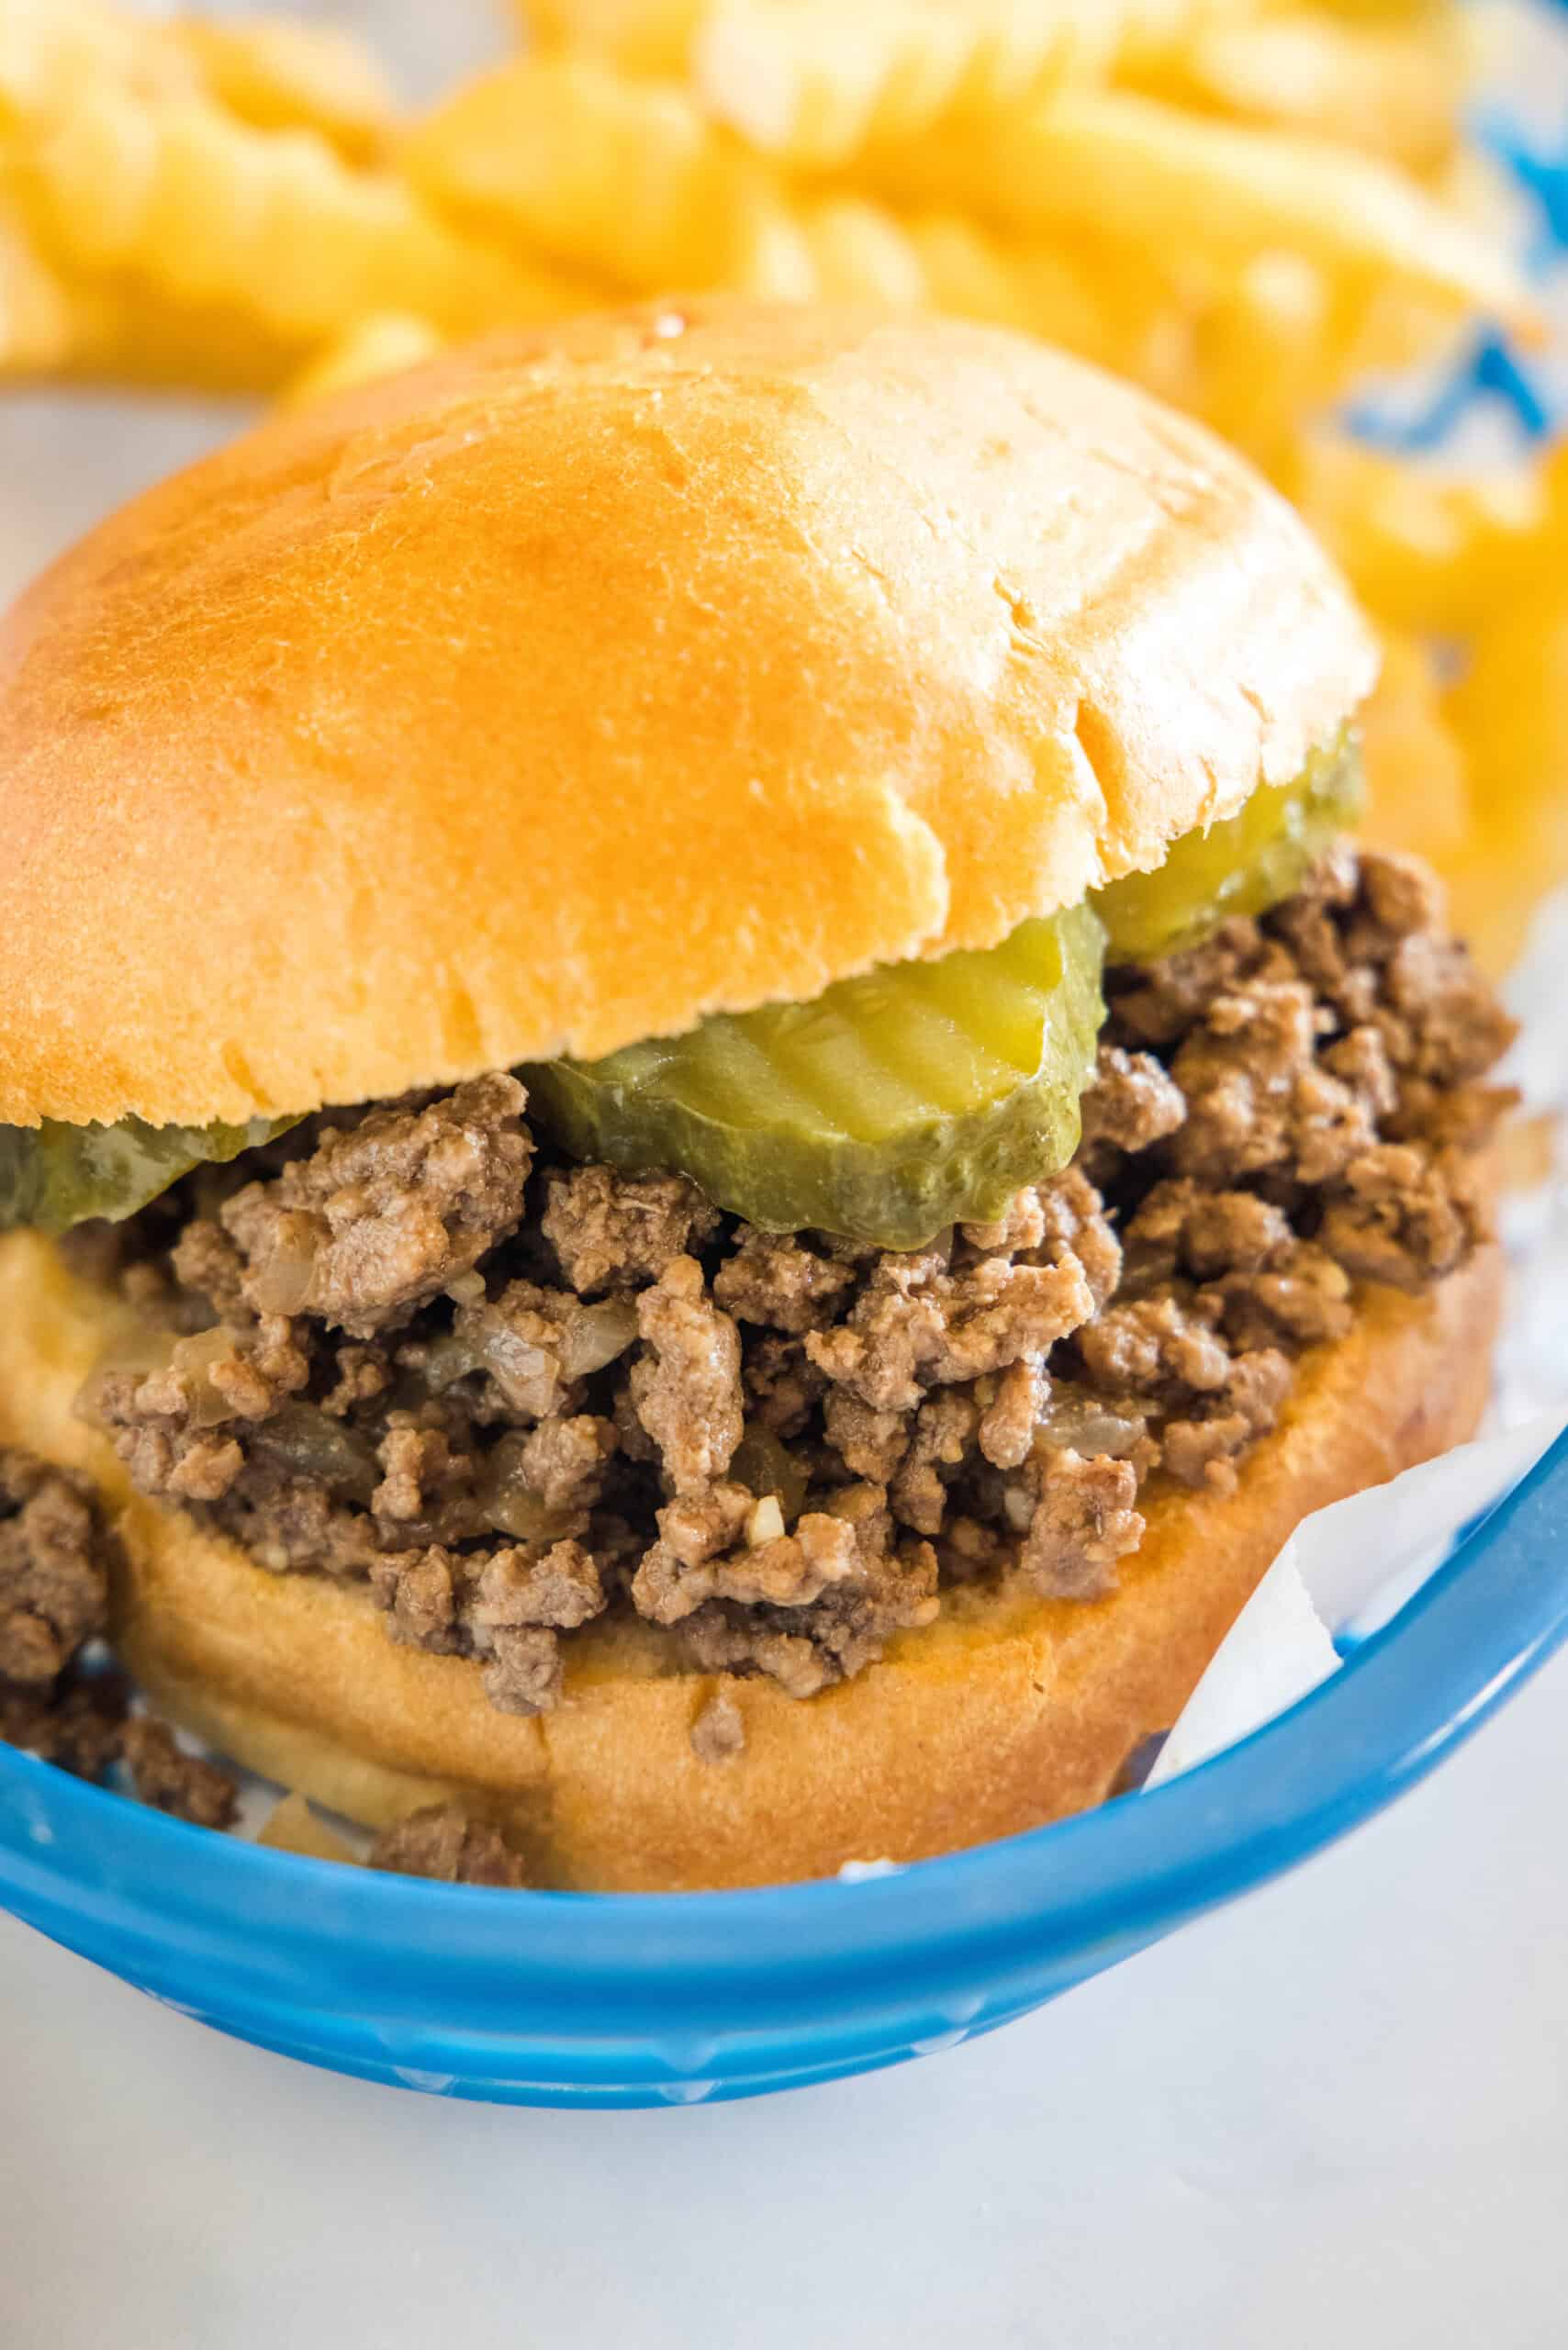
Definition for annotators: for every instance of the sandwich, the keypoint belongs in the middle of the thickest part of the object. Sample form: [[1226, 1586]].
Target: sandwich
[[707, 1129]]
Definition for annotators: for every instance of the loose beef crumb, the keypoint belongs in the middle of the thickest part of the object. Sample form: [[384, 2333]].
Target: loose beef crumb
[[79, 1723], [53, 1570], [718, 1731], [1133, 1102], [163, 1774], [383, 1216], [517, 1586], [524, 1671], [611, 1231], [773, 1279], [1083, 1521], [1402, 1218], [687, 1387], [450, 1844], [513, 1414]]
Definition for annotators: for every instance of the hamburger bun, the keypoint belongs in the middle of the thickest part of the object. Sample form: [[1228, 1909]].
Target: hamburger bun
[[319, 785], [1005, 1713]]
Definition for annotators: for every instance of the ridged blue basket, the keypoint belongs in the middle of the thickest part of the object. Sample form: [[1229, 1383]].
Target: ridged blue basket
[[548, 1999]]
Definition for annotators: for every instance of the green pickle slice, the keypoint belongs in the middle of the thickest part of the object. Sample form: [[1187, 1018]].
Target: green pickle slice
[[1251, 862], [52, 1176], [883, 1110]]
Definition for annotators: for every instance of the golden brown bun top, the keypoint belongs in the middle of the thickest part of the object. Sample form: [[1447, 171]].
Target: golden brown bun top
[[591, 679]]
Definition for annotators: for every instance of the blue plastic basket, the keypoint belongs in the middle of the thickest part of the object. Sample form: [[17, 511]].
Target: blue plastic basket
[[641, 1999]]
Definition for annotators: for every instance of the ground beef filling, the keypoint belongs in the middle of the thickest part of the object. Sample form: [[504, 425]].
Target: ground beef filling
[[60, 1697], [506, 1393]]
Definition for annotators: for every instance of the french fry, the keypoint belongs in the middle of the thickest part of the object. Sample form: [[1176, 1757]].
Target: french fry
[[1142, 172], [381, 345], [172, 191], [651, 38], [1509, 708], [122, 332], [624, 178], [38, 321], [805, 82], [1510, 712], [1391, 90], [51, 52], [973, 275], [891, 51], [278, 74], [1425, 546], [1418, 795]]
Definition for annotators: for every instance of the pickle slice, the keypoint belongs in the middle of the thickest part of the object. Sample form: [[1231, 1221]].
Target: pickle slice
[[1242, 867], [53, 1176], [887, 1107]]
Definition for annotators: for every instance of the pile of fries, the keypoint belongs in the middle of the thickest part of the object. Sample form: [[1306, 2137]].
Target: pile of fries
[[1246, 204]]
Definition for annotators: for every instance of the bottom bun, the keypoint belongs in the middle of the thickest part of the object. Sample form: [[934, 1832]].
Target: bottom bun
[[1007, 1712]]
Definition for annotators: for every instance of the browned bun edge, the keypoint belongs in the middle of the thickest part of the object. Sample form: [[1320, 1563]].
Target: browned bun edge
[[574, 686], [1005, 1714]]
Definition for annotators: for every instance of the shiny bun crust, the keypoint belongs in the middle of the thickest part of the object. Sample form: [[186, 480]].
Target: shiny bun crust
[[1001, 1715], [564, 690]]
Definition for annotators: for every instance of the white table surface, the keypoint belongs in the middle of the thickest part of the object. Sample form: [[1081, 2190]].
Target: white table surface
[[1336, 2115]]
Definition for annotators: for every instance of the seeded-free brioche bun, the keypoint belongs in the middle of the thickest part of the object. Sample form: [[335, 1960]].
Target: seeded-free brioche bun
[[564, 690], [1005, 1713]]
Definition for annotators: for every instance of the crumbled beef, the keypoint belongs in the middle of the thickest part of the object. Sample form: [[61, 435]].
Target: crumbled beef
[[611, 1231], [726, 1544], [783, 1387], [687, 1387], [180, 1429], [1158, 1003], [423, 1475], [559, 1588], [805, 1651], [1156, 1345], [1133, 1101], [524, 1673], [448, 1843], [383, 1216], [361, 1375], [916, 1325], [206, 1261], [1181, 1228], [775, 1280], [1403, 1218], [55, 1554], [54, 1586], [564, 1461], [1008, 1423], [421, 1594], [1083, 1521], [1301, 1300], [943, 1435], [288, 1518], [79, 1724], [1201, 1447], [718, 1731], [868, 1442], [1258, 1097], [1076, 1226], [379, 1362], [164, 1776]]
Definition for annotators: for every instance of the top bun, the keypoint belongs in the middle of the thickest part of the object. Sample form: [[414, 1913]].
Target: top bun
[[556, 693]]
